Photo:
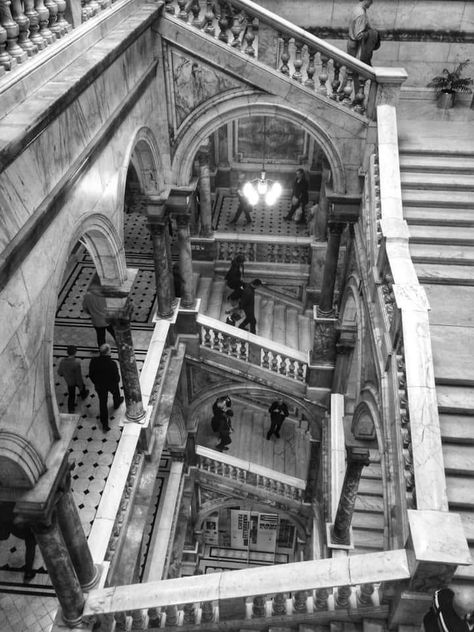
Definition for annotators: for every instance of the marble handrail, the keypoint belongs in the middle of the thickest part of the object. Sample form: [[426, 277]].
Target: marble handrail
[[299, 55], [417, 391], [239, 469], [242, 345], [327, 584]]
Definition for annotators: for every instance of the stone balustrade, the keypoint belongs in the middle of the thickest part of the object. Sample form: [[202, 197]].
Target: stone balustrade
[[29, 26], [316, 65], [237, 343], [249, 473], [262, 248], [318, 591]]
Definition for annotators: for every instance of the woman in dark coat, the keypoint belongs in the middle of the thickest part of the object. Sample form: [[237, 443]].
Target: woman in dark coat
[[234, 277]]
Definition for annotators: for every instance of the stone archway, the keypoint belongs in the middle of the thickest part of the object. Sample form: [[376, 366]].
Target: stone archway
[[235, 104]]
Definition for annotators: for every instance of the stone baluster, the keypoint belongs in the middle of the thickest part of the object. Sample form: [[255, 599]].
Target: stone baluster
[[321, 598], [299, 602], [236, 29], [342, 596], [169, 6], [185, 261], [336, 80], [205, 195], [189, 617], [348, 87], [61, 570], [75, 539], [158, 227], [279, 605], [23, 22], [43, 13], [154, 618], [171, 615], [53, 18], [223, 21], [258, 607], [121, 620], [13, 31], [364, 594], [6, 61], [323, 75], [250, 35], [298, 62], [209, 18], [196, 10], [285, 55], [357, 459], [183, 10], [310, 69], [359, 96], [207, 612], [120, 318], [86, 11], [139, 620], [33, 17], [62, 22]]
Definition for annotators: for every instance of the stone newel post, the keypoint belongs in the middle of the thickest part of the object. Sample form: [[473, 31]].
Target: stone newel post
[[325, 307], [185, 261], [161, 261], [357, 458]]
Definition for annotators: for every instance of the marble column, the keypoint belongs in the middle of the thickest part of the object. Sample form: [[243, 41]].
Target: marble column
[[357, 458], [61, 570], [128, 365], [325, 307], [75, 539], [185, 261], [344, 351], [205, 200], [163, 273]]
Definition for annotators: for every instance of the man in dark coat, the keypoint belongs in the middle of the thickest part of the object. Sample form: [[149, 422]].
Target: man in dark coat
[[451, 611], [247, 304], [299, 197], [70, 369], [278, 412], [104, 373]]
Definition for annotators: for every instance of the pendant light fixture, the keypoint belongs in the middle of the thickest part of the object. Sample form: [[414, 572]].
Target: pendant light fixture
[[262, 188]]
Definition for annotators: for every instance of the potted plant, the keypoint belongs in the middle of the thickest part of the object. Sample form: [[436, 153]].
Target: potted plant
[[449, 83]]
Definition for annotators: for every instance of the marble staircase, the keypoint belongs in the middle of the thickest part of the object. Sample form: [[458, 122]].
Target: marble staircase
[[438, 193], [368, 521], [280, 320]]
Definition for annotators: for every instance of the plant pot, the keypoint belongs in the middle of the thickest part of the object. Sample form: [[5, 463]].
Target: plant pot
[[446, 100]]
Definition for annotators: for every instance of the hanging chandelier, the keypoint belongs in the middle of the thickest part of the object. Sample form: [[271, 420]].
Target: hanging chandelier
[[262, 188]]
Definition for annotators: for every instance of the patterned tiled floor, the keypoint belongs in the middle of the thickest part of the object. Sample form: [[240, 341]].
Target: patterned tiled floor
[[30, 607]]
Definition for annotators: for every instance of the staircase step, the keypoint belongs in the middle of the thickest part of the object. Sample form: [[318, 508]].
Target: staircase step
[[447, 255], [466, 572], [369, 540], [368, 521], [435, 162], [216, 298], [453, 235], [379, 626], [203, 292], [305, 341], [443, 199], [467, 519], [372, 504], [438, 216], [374, 470], [460, 491], [279, 324], [370, 487], [455, 399], [291, 337], [265, 318], [428, 181], [459, 459], [456, 429], [445, 274]]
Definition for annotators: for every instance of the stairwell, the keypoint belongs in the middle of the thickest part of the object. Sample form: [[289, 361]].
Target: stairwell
[[438, 191]]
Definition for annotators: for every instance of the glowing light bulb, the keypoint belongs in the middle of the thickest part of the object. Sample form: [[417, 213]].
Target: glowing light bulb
[[262, 185], [250, 193]]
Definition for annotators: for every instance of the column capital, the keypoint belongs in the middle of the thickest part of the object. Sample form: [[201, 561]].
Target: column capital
[[358, 456]]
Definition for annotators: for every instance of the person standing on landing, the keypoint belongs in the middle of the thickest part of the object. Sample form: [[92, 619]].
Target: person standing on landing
[[95, 305], [70, 369], [299, 197], [104, 373], [278, 413]]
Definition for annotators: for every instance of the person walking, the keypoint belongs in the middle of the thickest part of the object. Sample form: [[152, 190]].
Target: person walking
[[70, 369], [363, 39], [244, 205], [104, 373], [451, 611], [234, 277], [247, 304], [95, 305], [278, 413], [299, 197]]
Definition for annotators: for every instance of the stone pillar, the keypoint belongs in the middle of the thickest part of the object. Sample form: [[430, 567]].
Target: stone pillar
[[120, 317], [321, 219], [344, 350], [205, 200], [185, 261], [75, 539], [325, 307], [61, 570], [357, 458], [163, 273]]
